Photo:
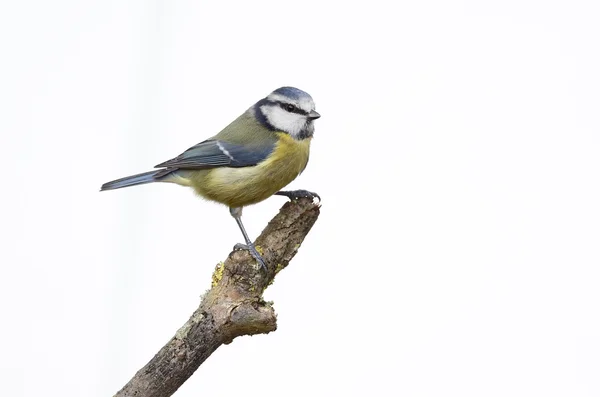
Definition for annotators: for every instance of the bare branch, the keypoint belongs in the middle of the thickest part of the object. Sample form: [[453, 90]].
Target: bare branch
[[232, 307]]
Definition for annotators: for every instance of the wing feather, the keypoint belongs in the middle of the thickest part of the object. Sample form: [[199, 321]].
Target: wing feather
[[214, 153]]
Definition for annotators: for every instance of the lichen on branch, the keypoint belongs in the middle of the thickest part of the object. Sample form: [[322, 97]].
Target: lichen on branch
[[232, 307]]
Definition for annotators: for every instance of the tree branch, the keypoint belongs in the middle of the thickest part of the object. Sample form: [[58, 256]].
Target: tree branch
[[232, 307]]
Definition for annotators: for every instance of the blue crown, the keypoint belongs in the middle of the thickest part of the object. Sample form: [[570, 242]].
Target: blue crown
[[292, 93]]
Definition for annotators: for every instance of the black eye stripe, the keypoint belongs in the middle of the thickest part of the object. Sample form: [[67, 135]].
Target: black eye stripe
[[295, 110], [281, 104]]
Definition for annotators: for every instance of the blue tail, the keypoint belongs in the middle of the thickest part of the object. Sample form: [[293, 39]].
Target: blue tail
[[139, 179]]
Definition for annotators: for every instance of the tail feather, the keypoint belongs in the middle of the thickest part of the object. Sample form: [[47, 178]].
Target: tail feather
[[139, 179]]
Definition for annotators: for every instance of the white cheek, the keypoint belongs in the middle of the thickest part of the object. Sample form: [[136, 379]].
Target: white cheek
[[292, 123]]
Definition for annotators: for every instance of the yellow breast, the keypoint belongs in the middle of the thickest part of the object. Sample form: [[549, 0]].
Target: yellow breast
[[238, 187]]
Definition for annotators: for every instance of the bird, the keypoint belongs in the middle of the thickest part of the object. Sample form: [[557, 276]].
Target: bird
[[248, 161]]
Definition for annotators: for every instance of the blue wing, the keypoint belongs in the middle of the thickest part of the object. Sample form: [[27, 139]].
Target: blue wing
[[211, 153], [214, 153]]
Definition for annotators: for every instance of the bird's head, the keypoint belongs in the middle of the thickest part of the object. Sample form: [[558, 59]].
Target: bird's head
[[288, 109]]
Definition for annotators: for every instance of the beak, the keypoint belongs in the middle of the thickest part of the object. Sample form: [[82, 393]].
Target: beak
[[313, 115]]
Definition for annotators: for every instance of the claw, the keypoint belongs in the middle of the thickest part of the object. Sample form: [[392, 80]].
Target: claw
[[252, 249], [296, 194]]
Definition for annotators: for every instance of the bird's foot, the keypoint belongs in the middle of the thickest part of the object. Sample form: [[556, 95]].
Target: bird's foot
[[296, 194], [252, 249]]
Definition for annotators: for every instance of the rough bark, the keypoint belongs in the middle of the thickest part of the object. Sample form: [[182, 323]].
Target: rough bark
[[232, 307]]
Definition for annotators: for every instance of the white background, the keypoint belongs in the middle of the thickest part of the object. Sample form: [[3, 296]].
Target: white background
[[457, 253]]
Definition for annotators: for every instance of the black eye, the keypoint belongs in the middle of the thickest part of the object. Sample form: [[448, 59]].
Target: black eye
[[290, 108]]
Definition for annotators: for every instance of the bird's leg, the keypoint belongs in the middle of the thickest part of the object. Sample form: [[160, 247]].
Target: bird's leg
[[296, 194], [237, 215]]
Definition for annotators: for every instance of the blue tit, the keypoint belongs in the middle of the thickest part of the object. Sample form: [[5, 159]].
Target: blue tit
[[250, 160]]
